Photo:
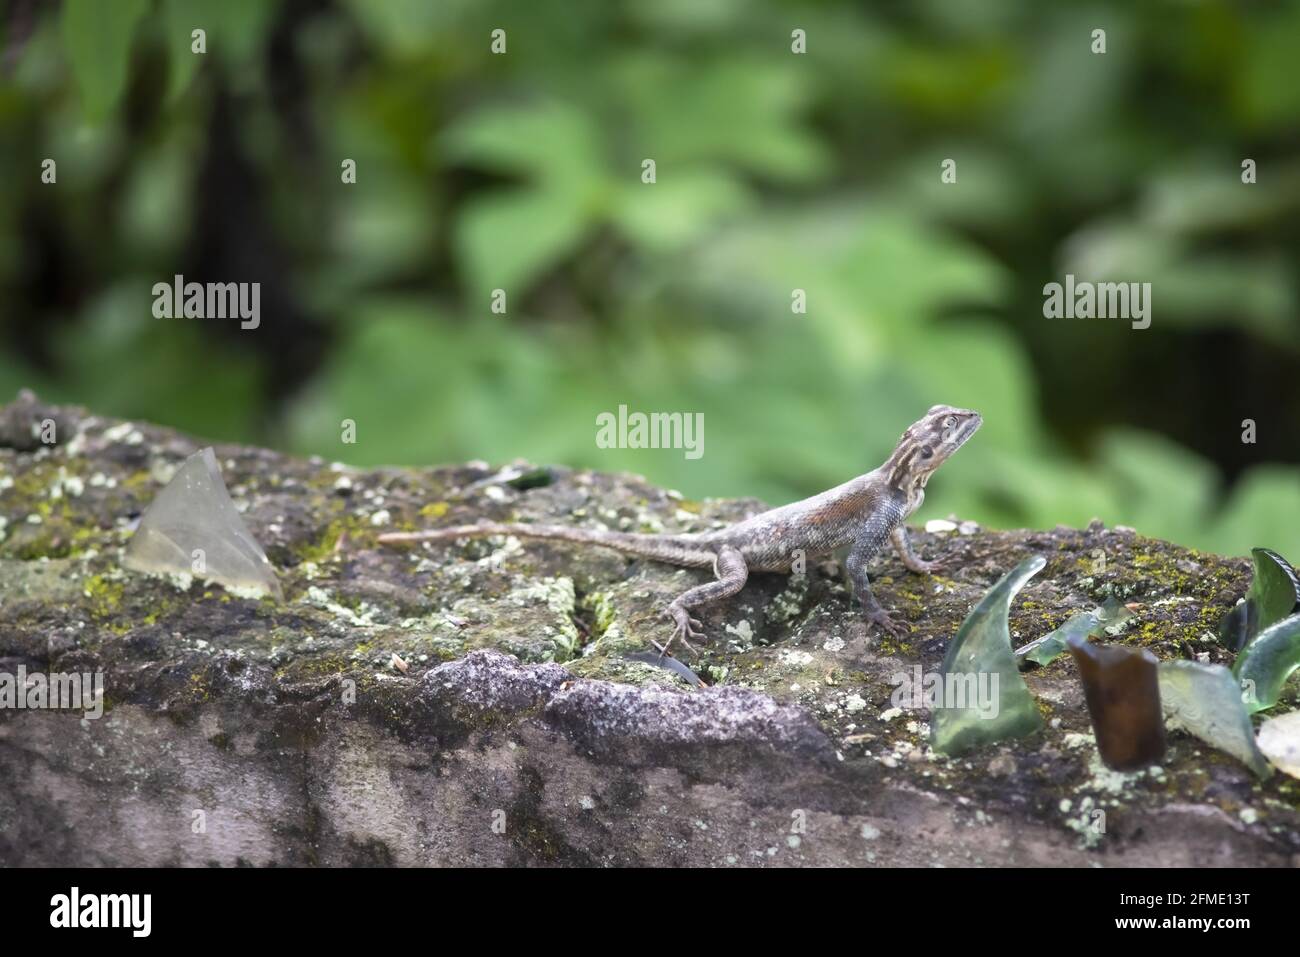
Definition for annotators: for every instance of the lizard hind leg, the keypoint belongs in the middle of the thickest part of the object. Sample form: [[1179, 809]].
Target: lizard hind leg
[[732, 572]]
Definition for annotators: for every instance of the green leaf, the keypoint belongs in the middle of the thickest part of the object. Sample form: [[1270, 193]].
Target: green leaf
[[1165, 490], [539, 141], [1263, 503], [679, 208], [97, 36], [743, 110], [510, 238], [181, 19]]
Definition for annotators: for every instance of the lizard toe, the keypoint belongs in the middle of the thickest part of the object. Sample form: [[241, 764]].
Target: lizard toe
[[887, 624], [685, 626]]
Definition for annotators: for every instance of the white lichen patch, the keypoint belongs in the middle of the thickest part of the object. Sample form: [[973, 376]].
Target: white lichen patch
[[559, 596], [497, 559], [65, 484], [250, 592], [125, 433], [743, 631], [318, 597], [791, 658], [163, 471], [789, 604], [1105, 781]]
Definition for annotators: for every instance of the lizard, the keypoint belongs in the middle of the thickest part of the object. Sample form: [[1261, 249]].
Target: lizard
[[862, 514]]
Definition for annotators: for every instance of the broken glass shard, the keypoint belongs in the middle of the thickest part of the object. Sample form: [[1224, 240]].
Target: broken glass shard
[[1264, 665], [1047, 649], [1279, 739], [1274, 594], [1205, 700], [193, 528], [981, 697], [668, 663], [1123, 695]]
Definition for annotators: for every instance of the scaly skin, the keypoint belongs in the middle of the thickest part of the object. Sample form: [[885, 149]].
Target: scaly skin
[[862, 514]]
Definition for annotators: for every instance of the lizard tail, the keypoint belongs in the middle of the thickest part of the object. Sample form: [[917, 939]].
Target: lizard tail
[[676, 549]]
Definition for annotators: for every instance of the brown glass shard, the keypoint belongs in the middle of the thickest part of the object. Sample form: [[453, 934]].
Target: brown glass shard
[[1122, 687]]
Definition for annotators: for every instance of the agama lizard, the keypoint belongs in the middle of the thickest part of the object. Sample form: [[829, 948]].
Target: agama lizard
[[861, 514]]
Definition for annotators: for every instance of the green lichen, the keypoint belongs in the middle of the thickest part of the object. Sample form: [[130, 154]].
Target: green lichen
[[104, 596]]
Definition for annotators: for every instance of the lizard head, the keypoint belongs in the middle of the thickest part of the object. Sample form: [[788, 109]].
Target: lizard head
[[929, 443]]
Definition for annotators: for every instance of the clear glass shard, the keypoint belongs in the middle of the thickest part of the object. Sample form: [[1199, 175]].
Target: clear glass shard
[[1279, 739], [1264, 665], [1205, 700], [981, 697], [1045, 650], [668, 664], [1274, 594], [1123, 695], [193, 528]]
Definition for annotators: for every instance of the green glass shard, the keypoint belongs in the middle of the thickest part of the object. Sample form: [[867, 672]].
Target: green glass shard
[[1205, 700], [1264, 665], [1279, 739], [1123, 695], [982, 697], [1274, 594], [1047, 649], [533, 478], [193, 528]]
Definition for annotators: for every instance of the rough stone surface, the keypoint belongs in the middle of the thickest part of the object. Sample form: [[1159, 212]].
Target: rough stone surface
[[260, 732]]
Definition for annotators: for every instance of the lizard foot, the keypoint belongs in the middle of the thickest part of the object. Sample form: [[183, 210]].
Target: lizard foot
[[881, 619], [686, 627], [926, 568]]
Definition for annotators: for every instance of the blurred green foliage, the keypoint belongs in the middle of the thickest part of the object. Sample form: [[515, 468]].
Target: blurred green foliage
[[775, 172]]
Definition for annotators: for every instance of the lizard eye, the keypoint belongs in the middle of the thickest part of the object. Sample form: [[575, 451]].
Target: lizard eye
[[949, 422]]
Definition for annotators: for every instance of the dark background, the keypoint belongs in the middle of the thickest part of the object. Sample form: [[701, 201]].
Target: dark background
[[775, 171]]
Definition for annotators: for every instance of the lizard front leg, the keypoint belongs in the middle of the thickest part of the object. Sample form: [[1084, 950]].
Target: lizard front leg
[[912, 561], [732, 573], [871, 536]]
